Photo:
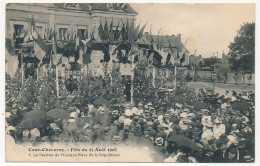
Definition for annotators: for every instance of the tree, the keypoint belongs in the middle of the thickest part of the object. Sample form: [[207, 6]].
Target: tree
[[242, 50], [209, 62]]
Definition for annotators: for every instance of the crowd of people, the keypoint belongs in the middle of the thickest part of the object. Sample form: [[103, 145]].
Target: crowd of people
[[178, 132]]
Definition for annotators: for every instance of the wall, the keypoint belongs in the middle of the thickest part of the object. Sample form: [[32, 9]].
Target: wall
[[207, 75]]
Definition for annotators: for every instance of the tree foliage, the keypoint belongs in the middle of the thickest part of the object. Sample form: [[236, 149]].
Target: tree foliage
[[242, 49]]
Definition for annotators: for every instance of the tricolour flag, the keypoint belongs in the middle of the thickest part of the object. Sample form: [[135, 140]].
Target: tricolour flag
[[40, 48]]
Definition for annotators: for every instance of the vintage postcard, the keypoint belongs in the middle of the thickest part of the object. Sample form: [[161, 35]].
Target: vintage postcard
[[130, 82]]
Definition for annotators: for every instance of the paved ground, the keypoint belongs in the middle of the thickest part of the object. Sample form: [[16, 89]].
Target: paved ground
[[221, 88]]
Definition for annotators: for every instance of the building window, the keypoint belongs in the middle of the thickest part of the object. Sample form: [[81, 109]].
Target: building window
[[18, 35], [81, 33], [62, 33]]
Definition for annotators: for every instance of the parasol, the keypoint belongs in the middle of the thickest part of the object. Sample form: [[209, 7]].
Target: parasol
[[183, 141], [58, 113], [37, 114], [240, 106], [31, 123]]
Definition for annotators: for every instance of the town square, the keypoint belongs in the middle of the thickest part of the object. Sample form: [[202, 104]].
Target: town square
[[119, 74]]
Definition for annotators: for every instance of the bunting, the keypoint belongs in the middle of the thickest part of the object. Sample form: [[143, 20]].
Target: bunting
[[101, 32]]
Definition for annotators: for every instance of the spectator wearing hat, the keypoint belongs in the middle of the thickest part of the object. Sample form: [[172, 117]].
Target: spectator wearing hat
[[26, 135], [183, 159], [166, 119], [183, 123], [160, 139], [137, 111], [227, 123], [232, 154], [246, 130], [206, 118], [234, 128], [146, 114], [218, 128], [35, 134], [128, 111], [237, 119], [137, 129], [207, 132], [115, 115], [178, 108]]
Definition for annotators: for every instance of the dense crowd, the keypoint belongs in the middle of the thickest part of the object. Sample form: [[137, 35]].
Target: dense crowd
[[178, 132]]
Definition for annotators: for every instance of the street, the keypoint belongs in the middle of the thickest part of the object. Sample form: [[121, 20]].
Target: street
[[221, 88]]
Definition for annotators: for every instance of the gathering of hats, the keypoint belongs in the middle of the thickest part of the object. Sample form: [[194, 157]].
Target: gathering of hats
[[187, 126]]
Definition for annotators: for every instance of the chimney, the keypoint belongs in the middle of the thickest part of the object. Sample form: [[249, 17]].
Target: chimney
[[179, 37]]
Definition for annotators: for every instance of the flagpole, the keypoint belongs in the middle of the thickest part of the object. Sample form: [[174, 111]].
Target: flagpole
[[57, 81], [175, 76], [132, 81], [22, 69], [37, 72], [56, 67]]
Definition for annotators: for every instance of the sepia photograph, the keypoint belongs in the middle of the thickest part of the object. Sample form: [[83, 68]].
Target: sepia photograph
[[130, 82]]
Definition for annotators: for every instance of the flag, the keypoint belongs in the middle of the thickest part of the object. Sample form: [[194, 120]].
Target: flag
[[155, 47], [136, 32], [141, 32], [127, 27], [9, 47], [101, 32], [116, 36], [131, 31], [40, 48], [111, 33], [56, 58], [182, 59], [92, 36], [124, 33], [39, 53], [106, 31]]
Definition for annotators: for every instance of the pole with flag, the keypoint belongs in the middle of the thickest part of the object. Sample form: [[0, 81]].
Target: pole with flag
[[22, 67], [54, 49], [132, 80], [134, 52]]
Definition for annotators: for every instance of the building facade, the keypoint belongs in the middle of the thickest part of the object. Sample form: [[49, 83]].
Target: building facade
[[65, 18]]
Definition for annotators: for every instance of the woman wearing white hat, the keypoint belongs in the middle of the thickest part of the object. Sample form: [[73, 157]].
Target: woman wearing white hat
[[218, 128]]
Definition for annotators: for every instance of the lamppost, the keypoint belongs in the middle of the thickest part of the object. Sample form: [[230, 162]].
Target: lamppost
[[213, 77]]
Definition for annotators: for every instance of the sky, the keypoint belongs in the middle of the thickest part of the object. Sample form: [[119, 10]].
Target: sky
[[208, 28]]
